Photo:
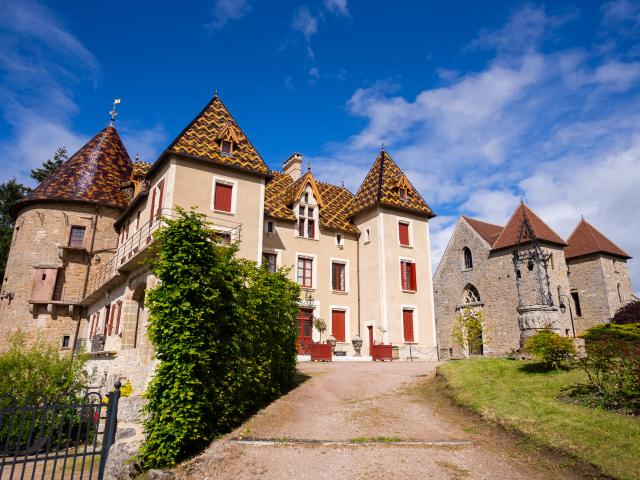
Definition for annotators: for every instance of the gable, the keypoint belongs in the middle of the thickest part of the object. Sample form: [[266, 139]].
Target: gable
[[514, 233]]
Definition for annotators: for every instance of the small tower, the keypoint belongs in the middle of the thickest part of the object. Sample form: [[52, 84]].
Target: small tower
[[63, 229]]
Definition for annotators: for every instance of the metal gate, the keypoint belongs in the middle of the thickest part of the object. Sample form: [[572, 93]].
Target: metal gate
[[68, 439]]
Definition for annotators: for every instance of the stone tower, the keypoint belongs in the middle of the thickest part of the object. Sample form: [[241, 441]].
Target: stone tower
[[63, 229]]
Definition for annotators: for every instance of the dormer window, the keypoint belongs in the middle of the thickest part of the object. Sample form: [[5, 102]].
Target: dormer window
[[306, 218], [228, 138], [226, 147], [403, 194]]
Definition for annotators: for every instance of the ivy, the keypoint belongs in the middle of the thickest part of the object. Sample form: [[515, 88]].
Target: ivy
[[224, 334], [469, 330]]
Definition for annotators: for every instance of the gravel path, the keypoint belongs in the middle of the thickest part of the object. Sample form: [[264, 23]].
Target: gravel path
[[367, 414]]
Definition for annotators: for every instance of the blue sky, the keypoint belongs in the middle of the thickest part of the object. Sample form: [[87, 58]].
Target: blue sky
[[481, 103]]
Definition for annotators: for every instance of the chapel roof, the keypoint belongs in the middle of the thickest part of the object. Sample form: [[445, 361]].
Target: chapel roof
[[282, 191], [94, 174], [510, 235], [586, 239], [488, 231], [201, 139], [382, 187]]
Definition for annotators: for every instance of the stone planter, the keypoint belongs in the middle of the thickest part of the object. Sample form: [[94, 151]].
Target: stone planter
[[357, 344], [321, 352], [332, 341]]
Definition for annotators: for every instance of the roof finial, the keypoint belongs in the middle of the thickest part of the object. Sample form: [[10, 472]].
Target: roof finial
[[382, 148], [309, 167], [113, 113], [137, 157], [215, 93]]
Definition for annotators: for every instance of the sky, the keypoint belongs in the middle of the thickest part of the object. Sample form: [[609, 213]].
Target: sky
[[480, 103]]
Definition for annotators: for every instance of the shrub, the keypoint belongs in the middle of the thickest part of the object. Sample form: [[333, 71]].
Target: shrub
[[469, 330], [629, 313], [224, 333], [550, 348]]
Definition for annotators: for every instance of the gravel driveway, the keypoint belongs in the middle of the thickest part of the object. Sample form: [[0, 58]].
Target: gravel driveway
[[368, 421]]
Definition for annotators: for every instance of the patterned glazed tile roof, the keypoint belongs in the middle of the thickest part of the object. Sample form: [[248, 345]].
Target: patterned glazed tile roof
[[201, 138], [511, 232], [95, 174], [140, 169], [488, 231], [382, 186], [280, 195], [586, 239]]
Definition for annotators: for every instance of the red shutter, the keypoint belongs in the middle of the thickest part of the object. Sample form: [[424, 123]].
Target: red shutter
[[113, 312], [403, 232], [106, 321], [161, 189], [407, 324], [153, 205], [338, 324], [403, 275], [412, 273], [223, 197], [119, 303]]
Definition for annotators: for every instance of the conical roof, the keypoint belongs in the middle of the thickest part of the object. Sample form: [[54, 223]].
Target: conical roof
[[511, 232], [201, 138], [586, 239], [94, 174], [382, 186]]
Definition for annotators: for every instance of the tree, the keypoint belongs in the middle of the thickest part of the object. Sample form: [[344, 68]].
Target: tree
[[630, 313], [10, 192], [49, 166]]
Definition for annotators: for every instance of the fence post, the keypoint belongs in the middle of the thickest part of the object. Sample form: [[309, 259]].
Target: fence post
[[109, 435]]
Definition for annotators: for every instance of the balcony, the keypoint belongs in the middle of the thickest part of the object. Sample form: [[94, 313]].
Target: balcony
[[133, 250]]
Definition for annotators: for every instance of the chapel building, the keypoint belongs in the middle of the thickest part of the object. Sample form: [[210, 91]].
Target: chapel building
[[76, 272], [524, 277]]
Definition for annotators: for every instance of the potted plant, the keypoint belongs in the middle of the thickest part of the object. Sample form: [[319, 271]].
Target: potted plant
[[321, 351]]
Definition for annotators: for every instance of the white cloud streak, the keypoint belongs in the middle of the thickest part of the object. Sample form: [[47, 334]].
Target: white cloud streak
[[224, 11]]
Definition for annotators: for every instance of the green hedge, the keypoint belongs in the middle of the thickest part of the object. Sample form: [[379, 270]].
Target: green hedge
[[224, 332], [626, 332]]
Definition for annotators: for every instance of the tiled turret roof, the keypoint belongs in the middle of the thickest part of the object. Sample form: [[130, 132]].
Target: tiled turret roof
[[382, 186], [511, 232], [93, 174], [201, 138], [586, 239]]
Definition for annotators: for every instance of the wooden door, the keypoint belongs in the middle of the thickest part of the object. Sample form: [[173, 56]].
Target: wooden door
[[338, 325], [305, 329]]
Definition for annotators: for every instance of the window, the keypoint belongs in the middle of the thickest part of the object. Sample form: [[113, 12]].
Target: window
[[367, 235], [408, 275], [338, 324], [518, 274], [576, 302], [403, 194], [270, 259], [311, 228], [66, 340], [468, 258], [138, 220], [407, 324], [76, 237], [338, 239], [270, 227], [305, 270], [403, 233], [222, 238], [470, 294], [338, 276], [306, 222], [222, 197], [226, 147], [156, 194], [619, 287]]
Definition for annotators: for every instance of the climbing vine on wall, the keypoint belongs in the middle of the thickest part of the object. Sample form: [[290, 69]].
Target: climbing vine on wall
[[469, 330]]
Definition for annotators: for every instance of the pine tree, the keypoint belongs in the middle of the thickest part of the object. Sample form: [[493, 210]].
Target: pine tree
[[49, 166]]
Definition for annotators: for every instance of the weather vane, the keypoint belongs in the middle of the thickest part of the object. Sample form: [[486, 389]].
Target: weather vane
[[113, 112]]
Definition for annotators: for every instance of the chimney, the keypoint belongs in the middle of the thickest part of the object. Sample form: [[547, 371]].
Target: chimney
[[293, 166]]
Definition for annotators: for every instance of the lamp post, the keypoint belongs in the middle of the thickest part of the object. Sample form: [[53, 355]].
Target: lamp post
[[563, 308]]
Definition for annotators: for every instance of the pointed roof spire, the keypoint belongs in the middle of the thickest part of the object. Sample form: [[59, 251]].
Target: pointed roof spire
[[586, 239], [201, 139], [94, 174], [113, 113], [382, 186], [511, 232], [215, 93]]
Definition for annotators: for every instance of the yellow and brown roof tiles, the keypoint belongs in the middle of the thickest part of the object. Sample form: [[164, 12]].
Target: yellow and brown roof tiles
[[387, 185], [93, 174], [201, 138]]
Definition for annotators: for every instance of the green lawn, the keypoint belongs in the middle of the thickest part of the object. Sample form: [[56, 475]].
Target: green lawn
[[500, 390]]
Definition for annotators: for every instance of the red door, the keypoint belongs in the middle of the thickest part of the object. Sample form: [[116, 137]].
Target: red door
[[338, 325], [305, 328], [407, 320]]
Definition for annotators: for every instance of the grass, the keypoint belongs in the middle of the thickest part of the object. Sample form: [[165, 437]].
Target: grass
[[522, 397]]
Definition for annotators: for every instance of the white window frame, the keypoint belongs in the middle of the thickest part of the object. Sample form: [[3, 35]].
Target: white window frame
[[314, 270], [347, 322], [416, 323], [409, 222], [341, 242], [345, 262], [367, 235], [266, 227], [407, 259], [278, 253], [234, 193]]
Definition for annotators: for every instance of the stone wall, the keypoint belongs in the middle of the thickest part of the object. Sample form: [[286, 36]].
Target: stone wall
[[39, 240]]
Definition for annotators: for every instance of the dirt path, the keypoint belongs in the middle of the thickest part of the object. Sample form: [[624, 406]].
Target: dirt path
[[367, 421]]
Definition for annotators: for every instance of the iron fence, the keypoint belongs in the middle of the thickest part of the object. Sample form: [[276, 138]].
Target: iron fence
[[67, 439]]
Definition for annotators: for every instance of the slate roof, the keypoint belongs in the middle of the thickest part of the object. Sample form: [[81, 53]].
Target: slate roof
[[586, 239], [380, 187], [280, 194], [201, 138], [509, 235], [93, 174], [488, 231]]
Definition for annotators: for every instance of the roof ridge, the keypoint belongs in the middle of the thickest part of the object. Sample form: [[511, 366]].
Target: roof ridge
[[481, 221], [505, 226]]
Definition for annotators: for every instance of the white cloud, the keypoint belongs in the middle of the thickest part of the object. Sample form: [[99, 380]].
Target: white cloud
[[304, 22], [339, 7], [225, 11]]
